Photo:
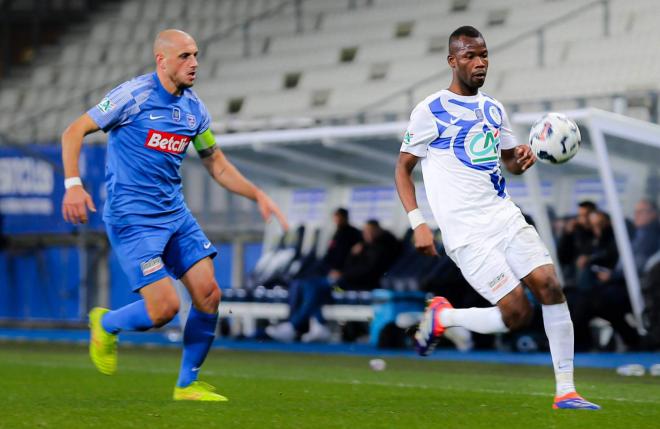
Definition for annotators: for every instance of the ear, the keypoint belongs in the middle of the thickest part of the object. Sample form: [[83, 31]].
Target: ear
[[451, 60], [160, 59]]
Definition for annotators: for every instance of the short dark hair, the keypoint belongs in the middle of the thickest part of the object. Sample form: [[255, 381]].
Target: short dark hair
[[466, 30], [342, 212], [373, 223], [586, 204]]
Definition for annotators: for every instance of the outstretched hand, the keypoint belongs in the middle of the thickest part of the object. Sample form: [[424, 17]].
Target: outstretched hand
[[75, 204], [268, 208], [424, 242], [525, 157]]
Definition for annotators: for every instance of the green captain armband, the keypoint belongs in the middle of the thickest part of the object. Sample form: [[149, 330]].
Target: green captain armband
[[204, 143]]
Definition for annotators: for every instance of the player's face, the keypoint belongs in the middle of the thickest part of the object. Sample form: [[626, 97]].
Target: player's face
[[181, 64], [470, 61]]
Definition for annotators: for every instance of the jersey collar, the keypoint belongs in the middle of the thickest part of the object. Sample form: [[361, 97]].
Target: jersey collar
[[163, 92]]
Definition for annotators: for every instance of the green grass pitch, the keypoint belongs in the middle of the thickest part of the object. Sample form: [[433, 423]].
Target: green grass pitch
[[57, 387]]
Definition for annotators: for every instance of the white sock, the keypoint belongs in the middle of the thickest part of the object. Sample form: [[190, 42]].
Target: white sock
[[479, 320], [559, 329]]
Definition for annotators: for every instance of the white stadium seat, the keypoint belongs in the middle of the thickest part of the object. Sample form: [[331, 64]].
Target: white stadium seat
[[578, 60]]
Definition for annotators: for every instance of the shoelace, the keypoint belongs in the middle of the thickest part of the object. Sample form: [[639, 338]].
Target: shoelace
[[205, 386]]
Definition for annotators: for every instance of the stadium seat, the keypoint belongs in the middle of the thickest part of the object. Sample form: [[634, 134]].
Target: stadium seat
[[395, 46]]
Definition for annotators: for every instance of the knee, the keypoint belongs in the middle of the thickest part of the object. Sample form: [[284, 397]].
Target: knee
[[549, 292], [164, 311], [209, 297], [518, 316]]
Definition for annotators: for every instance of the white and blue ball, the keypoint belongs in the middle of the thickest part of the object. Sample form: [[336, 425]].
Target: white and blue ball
[[554, 138]]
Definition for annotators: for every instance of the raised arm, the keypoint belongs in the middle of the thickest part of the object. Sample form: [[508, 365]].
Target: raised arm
[[228, 176], [406, 189], [76, 200]]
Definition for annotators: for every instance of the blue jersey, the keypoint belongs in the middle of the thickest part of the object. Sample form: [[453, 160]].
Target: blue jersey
[[149, 132]]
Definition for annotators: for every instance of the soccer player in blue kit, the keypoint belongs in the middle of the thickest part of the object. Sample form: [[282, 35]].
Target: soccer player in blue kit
[[151, 120]]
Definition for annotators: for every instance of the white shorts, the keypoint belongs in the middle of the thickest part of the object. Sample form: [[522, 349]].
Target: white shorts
[[495, 265]]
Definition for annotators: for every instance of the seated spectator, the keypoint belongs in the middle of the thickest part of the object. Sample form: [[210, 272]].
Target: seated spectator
[[345, 237], [309, 293], [647, 232], [366, 263], [368, 259], [599, 294], [612, 301], [575, 241]]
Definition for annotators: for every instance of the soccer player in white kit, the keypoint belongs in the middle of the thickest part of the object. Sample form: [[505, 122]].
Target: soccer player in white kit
[[461, 135]]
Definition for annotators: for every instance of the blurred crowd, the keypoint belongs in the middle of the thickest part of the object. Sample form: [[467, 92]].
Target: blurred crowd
[[594, 281], [593, 272]]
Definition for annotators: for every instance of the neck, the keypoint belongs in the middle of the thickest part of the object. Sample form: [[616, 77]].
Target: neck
[[458, 87], [168, 84]]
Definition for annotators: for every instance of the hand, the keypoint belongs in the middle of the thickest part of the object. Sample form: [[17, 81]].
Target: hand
[[75, 204], [604, 276], [525, 158], [357, 248], [268, 208], [334, 275], [582, 261], [424, 242]]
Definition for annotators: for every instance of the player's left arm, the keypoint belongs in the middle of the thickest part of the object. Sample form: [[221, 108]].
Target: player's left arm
[[228, 176], [517, 158]]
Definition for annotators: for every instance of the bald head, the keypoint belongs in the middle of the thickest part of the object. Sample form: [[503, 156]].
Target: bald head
[[176, 60], [168, 39]]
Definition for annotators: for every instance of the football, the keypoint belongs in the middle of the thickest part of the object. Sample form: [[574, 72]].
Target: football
[[554, 138]]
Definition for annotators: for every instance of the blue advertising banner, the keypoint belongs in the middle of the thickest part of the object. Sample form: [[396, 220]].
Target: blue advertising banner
[[32, 188]]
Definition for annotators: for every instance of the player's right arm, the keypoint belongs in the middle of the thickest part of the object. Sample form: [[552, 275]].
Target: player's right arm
[[421, 131], [76, 200]]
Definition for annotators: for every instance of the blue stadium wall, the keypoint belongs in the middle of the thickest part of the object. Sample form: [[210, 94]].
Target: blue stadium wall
[[44, 283]]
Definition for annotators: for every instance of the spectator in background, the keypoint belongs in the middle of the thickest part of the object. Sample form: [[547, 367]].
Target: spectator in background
[[647, 232], [604, 253], [575, 242], [601, 288], [345, 237], [368, 259], [611, 302], [308, 293]]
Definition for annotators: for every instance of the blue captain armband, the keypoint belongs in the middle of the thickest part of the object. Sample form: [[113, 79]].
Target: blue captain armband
[[204, 143]]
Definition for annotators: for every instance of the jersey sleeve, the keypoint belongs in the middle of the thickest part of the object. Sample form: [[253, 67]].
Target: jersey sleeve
[[422, 130], [114, 109], [507, 139], [205, 118]]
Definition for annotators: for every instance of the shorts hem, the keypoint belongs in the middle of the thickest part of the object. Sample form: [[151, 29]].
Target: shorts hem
[[154, 279], [536, 265], [211, 254]]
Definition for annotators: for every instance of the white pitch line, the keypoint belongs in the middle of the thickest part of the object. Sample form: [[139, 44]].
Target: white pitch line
[[349, 382]]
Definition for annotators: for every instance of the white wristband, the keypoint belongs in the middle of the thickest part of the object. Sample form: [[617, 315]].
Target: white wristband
[[416, 218], [72, 181]]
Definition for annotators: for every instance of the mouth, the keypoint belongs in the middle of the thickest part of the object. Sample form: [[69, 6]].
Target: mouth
[[479, 75], [191, 75]]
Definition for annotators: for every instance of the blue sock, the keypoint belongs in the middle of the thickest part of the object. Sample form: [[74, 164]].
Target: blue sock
[[131, 317], [198, 336]]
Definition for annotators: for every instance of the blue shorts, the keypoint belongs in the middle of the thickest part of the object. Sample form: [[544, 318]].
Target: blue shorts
[[148, 253]]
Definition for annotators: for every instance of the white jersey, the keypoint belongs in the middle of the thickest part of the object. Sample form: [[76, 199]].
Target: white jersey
[[459, 139]]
